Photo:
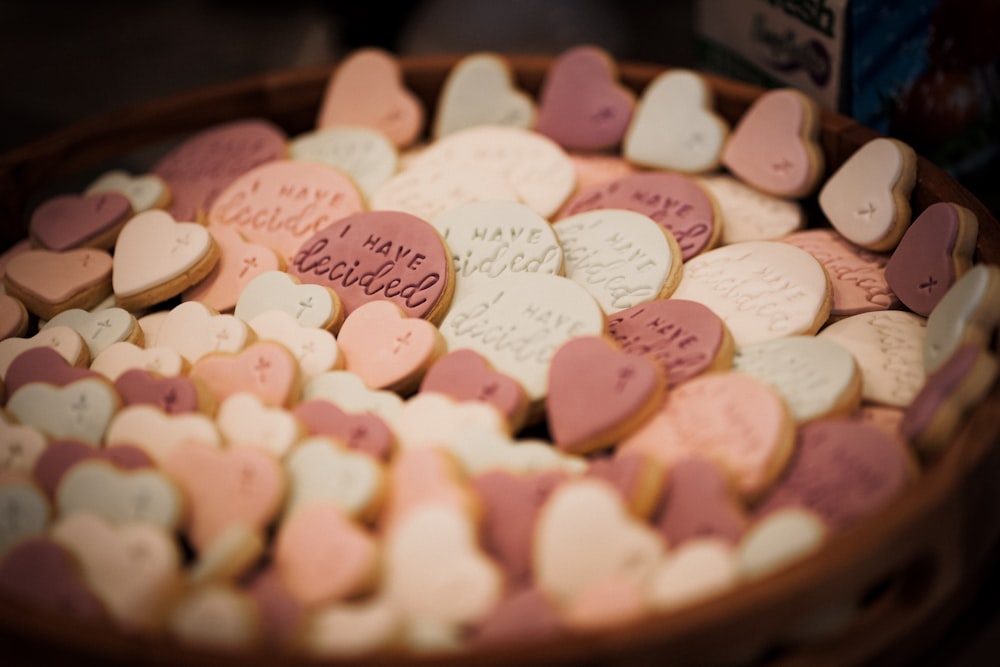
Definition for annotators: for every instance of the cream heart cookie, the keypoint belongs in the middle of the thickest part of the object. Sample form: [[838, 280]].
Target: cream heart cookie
[[350, 630], [432, 420], [778, 540], [195, 330], [117, 358], [230, 556], [315, 306], [100, 329], [48, 282], [774, 145], [621, 257], [749, 214], [157, 257], [217, 617], [387, 349], [67, 342], [265, 368], [81, 409], [480, 90], [969, 312], [698, 570], [143, 192], [761, 289], [26, 511], [282, 203], [244, 420], [348, 391], [20, 446], [364, 154], [322, 470], [480, 448], [675, 126], [74, 221], [867, 199], [240, 261], [157, 433]]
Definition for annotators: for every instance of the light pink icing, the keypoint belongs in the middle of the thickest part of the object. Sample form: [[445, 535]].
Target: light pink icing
[[55, 277], [265, 368], [239, 262]]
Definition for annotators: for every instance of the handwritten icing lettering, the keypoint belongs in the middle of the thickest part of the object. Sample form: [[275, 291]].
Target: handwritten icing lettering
[[899, 350]]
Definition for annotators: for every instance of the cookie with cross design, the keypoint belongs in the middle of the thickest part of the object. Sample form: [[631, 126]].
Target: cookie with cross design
[[240, 261]]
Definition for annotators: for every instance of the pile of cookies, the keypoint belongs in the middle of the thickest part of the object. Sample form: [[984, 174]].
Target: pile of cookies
[[534, 368]]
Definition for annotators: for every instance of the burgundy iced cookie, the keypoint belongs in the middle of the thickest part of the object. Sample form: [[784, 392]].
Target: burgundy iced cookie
[[79, 221], [61, 455], [935, 251], [363, 432], [280, 612], [43, 364], [684, 337], [843, 470], [638, 479], [202, 166], [675, 201], [525, 615], [699, 503], [380, 255], [465, 375], [174, 394], [857, 275]]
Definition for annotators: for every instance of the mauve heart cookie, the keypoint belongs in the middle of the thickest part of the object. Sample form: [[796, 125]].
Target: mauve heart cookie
[[42, 364], [62, 455], [360, 431], [48, 282], [466, 375], [74, 221], [173, 394], [13, 317]]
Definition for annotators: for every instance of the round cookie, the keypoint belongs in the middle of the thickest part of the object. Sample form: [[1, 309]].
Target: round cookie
[[49, 282], [749, 214], [480, 90], [66, 222]]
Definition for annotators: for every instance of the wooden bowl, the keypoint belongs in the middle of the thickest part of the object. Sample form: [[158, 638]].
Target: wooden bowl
[[888, 586]]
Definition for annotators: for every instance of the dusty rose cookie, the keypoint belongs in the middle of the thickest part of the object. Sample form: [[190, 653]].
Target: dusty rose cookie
[[80, 409], [100, 328], [638, 479], [157, 433], [194, 330], [683, 337], [969, 312], [774, 146], [749, 214], [733, 419], [598, 394], [60, 456], [240, 261], [119, 357], [42, 364], [581, 105], [66, 222], [599, 168], [857, 275], [284, 202], [367, 89], [315, 306], [281, 614], [322, 470], [843, 470], [157, 258], [933, 254], [143, 192], [466, 375], [674, 201], [761, 289], [524, 615], [675, 126], [13, 317], [48, 282], [700, 503], [364, 154], [363, 432], [63, 340], [172, 394], [480, 90], [266, 369], [203, 165], [868, 198]]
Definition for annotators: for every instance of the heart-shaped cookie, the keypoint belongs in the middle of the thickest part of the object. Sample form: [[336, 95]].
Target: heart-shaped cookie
[[20, 447], [158, 433], [581, 105], [700, 503], [60, 456], [81, 409], [316, 350], [350, 393], [217, 617], [367, 89], [364, 154], [120, 496], [63, 340], [157, 258], [968, 313], [74, 221], [143, 192], [194, 330], [433, 420], [675, 125], [48, 282], [424, 476], [774, 145], [26, 510], [174, 394], [360, 431], [240, 261], [246, 421], [597, 393], [479, 448], [13, 317], [639, 480], [465, 375], [100, 328], [322, 470], [778, 540], [42, 364], [314, 306], [266, 369], [480, 90], [697, 570], [40, 573], [119, 357]]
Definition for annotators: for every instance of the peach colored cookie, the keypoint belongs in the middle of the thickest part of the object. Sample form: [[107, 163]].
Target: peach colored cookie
[[480, 90], [81, 409], [700, 569], [360, 431], [749, 214], [143, 192], [364, 154], [886, 418], [675, 125], [380, 255], [20, 446], [13, 317], [599, 168], [158, 433], [857, 275], [639, 480], [581, 104], [367, 89], [425, 476], [674, 201], [204, 164], [322, 470], [683, 337], [48, 282], [27, 512], [244, 420], [761, 289], [119, 357], [351, 630], [608, 603], [10, 253], [935, 251], [42, 364], [314, 306], [63, 340], [157, 258], [284, 202], [195, 330], [774, 145], [240, 261], [150, 324], [466, 375], [100, 328], [733, 419], [969, 312], [265, 368], [173, 394], [598, 394], [867, 199], [66, 222], [700, 503]]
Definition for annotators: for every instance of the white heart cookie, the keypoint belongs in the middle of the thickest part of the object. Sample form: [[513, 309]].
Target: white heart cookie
[[351, 629], [120, 496], [363, 153], [81, 409], [779, 539], [309, 305], [158, 433], [323, 470], [216, 616], [63, 340], [20, 446], [700, 568], [98, 329], [230, 555], [480, 90], [144, 192], [315, 349], [480, 450], [26, 511], [244, 420], [351, 394], [194, 330], [430, 419], [968, 312], [123, 356]]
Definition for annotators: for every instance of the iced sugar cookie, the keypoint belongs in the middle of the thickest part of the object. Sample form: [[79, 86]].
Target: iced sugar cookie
[[204, 164], [935, 251], [698, 570], [761, 289], [701, 503], [749, 214], [193, 330], [857, 275], [315, 349], [683, 337], [63, 340], [157, 258], [284, 202], [26, 514], [48, 282], [367, 89], [888, 347], [321, 470], [774, 146], [364, 154], [434, 420], [778, 540], [13, 317], [240, 261], [174, 394], [868, 198], [481, 447], [480, 90], [315, 306], [489, 239], [350, 393], [581, 104], [675, 126], [20, 446], [608, 603], [466, 375], [42, 364], [243, 420], [143, 192], [969, 312], [61, 456], [119, 357], [423, 476], [524, 615], [265, 368], [362, 432], [638, 479], [674, 201], [621, 257], [158, 433], [81, 409], [66, 222], [598, 168], [101, 328], [215, 616]]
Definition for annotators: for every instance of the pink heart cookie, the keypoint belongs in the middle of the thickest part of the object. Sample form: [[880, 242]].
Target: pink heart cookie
[[362, 432], [13, 317], [597, 393], [48, 282], [42, 364], [265, 369], [699, 504], [173, 395], [424, 476], [639, 480], [581, 104], [466, 375], [524, 615], [774, 145], [74, 221], [367, 89], [240, 261], [61, 455]]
